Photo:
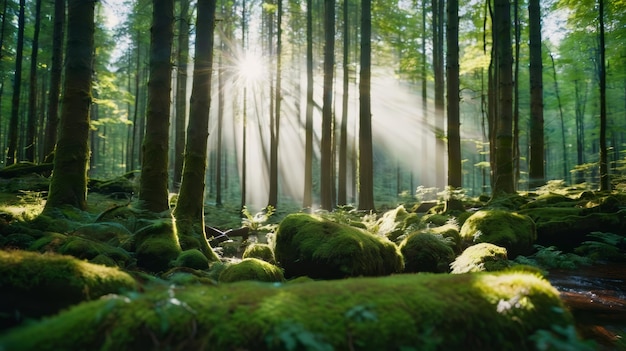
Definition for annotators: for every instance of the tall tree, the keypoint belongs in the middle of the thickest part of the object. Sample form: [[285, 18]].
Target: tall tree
[[308, 143], [536, 170], [55, 77], [68, 185], [189, 211], [244, 142], [275, 121], [343, 134], [31, 123], [503, 182], [438, 70], [366, 158], [326, 165], [182, 58], [153, 191], [604, 171], [17, 86], [455, 176]]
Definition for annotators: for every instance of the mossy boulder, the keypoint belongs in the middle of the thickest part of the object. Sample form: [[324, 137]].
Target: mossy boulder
[[393, 223], [193, 258], [451, 233], [480, 311], [261, 251], [156, 245], [514, 231], [106, 232], [35, 285], [318, 248], [426, 252], [481, 257], [251, 269]]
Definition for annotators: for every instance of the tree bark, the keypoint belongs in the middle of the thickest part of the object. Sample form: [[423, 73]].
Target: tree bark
[[326, 165], [366, 162], [605, 184], [343, 141], [182, 59], [69, 178], [275, 125], [31, 123], [307, 201], [153, 190], [536, 172], [17, 86], [55, 78]]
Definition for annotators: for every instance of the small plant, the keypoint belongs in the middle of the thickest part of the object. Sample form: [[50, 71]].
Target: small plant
[[561, 338], [423, 193], [256, 222], [549, 257], [451, 193], [604, 246], [293, 336]]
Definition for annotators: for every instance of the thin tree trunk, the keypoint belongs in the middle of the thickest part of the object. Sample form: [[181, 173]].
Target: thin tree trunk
[[31, 124], [343, 142], [581, 102], [563, 144], [55, 78], [17, 86], [516, 148], [182, 59], [275, 128], [605, 184], [308, 147], [69, 178], [536, 166], [326, 165], [153, 188], [244, 154], [366, 165]]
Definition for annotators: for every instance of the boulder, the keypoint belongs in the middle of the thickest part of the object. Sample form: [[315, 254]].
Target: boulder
[[513, 231]]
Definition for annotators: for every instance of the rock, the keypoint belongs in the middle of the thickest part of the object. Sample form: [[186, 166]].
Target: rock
[[426, 252], [251, 269], [481, 257], [513, 231]]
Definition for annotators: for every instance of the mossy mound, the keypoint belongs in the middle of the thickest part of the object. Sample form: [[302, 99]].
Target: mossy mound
[[321, 249], [481, 311], [156, 245], [261, 251], [551, 200], [106, 232], [426, 252], [251, 269], [393, 223], [193, 258], [34, 285], [514, 231], [450, 232], [481, 257], [123, 186], [88, 249]]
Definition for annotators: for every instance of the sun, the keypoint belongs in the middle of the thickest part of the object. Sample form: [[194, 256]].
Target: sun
[[250, 68]]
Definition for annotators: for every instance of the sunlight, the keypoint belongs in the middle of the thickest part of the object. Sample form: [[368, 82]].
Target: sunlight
[[250, 68]]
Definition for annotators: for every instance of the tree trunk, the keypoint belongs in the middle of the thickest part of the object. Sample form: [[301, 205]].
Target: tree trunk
[[55, 78], [455, 174], [503, 182], [326, 165], [182, 59], [69, 178], [366, 162], [17, 86], [438, 67], [31, 124], [605, 184], [275, 127], [244, 146], [153, 190], [536, 170], [581, 102], [343, 142], [189, 211], [307, 201], [563, 141]]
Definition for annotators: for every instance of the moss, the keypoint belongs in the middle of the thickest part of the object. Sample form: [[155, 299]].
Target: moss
[[391, 224], [515, 232], [192, 259], [450, 232], [261, 251], [89, 249], [105, 232], [481, 257], [551, 200], [18, 241], [34, 285], [50, 241], [496, 311], [425, 252], [156, 245], [251, 269], [437, 219], [309, 245]]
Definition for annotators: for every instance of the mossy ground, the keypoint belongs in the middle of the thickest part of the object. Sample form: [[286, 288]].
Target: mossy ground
[[403, 312]]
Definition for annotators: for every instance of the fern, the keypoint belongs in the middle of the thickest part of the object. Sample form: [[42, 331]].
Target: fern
[[608, 246]]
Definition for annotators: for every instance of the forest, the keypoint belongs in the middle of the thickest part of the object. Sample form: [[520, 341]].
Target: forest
[[312, 175]]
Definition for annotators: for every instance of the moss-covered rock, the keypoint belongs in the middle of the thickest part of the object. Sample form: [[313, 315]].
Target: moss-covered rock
[[156, 245], [393, 223], [261, 251], [309, 245], [34, 285], [192, 259], [481, 257], [426, 252], [106, 232], [49, 241], [251, 269], [18, 241], [88, 249], [481, 311], [514, 231], [451, 233]]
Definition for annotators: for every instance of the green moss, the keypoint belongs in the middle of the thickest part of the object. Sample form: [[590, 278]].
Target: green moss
[[515, 232], [450, 232], [309, 245], [496, 311], [156, 246], [88, 249], [392, 223], [33, 284], [251, 269], [425, 252], [48, 242], [481, 257], [192, 259], [106, 232], [18, 241], [261, 251], [437, 219]]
